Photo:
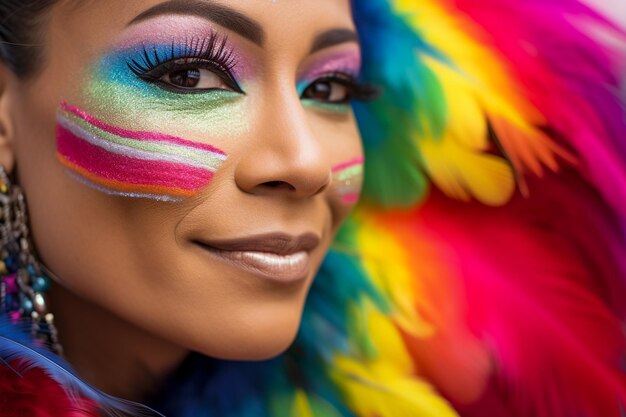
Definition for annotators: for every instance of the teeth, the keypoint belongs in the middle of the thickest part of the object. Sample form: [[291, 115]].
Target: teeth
[[279, 261]]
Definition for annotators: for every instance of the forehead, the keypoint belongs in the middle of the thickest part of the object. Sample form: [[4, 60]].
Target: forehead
[[273, 20]]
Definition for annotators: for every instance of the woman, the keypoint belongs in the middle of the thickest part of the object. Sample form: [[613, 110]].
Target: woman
[[188, 164]]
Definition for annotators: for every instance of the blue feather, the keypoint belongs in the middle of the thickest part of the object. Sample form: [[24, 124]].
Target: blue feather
[[19, 353], [412, 103]]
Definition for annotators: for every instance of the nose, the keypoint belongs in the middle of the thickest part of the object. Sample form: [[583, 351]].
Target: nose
[[285, 156]]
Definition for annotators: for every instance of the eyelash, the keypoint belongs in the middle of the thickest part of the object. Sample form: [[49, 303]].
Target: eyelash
[[356, 89], [208, 53], [211, 53]]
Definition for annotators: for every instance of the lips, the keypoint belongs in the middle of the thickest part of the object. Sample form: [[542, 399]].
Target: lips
[[277, 256]]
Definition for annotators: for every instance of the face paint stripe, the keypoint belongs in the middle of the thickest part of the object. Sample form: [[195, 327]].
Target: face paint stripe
[[350, 198], [126, 169], [88, 178], [119, 149], [138, 135], [347, 179], [200, 156], [349, 172], [357, 161], [111, 191]]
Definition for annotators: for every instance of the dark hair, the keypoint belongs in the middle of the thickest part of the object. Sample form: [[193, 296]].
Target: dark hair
[[20, 42]]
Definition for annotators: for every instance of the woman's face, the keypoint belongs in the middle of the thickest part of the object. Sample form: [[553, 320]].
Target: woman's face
[[187, 163]]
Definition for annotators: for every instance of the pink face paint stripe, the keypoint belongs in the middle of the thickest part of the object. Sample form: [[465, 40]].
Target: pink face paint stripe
[[350, 198], [349, 164], [138, 135], [129, 170]]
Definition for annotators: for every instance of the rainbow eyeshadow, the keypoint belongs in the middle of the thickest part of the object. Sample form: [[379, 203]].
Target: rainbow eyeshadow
[[116, 93], [132, 163], [348, 63], [348, 180]]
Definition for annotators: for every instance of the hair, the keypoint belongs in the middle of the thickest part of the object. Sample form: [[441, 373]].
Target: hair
[[20, 34]]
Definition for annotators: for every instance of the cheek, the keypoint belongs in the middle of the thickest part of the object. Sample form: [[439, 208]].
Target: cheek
[[132, 163], [340, 137]]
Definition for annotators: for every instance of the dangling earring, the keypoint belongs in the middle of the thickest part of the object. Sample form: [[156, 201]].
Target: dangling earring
[[24, 281]]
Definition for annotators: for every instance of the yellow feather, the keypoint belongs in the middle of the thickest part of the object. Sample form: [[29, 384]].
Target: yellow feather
[[466, 117], [384, 259], [462, 172], [485, 90], [309, 405], [386, 385], [301, 407]]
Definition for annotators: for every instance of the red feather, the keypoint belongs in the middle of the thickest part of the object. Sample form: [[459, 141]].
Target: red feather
[[536, 327], [34, 394]]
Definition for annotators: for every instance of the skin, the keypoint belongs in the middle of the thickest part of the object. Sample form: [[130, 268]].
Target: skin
[[134, 294]]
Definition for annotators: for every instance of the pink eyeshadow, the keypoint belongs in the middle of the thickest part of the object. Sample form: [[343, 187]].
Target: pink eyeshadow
[[348, 62], [165, 30]]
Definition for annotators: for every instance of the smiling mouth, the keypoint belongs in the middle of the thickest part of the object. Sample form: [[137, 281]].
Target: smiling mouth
[[277, 257]]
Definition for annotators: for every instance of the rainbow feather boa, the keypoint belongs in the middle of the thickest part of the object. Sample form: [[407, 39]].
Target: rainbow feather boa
[[484, 271]]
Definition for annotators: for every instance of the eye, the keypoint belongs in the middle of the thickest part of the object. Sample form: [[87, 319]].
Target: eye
[[190, 76], [197, 65], [328, 91], [339, 89], [194, 78]]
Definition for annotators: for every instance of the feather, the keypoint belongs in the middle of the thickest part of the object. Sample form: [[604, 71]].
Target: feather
[[17, 352], [308, 406], [384, 384], [529, 92], [548, 295], [566, 75], [388, 122]]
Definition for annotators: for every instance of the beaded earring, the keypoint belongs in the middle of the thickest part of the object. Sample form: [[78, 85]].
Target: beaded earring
[[24, 281]]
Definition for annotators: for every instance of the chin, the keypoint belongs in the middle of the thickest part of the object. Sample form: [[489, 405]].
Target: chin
[[253, 340], [254, 347], [267, 350]]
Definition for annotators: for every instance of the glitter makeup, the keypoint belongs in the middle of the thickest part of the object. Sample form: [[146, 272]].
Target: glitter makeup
[[348, 180], [338, 68], [132, 163], [123, 88], [165, 29]]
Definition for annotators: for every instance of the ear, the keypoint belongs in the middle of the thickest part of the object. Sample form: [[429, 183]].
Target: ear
[[7, 155]]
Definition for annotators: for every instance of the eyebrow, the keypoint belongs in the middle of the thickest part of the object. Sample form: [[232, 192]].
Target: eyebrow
[[333, 37], [238, 22], [222, 15]]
